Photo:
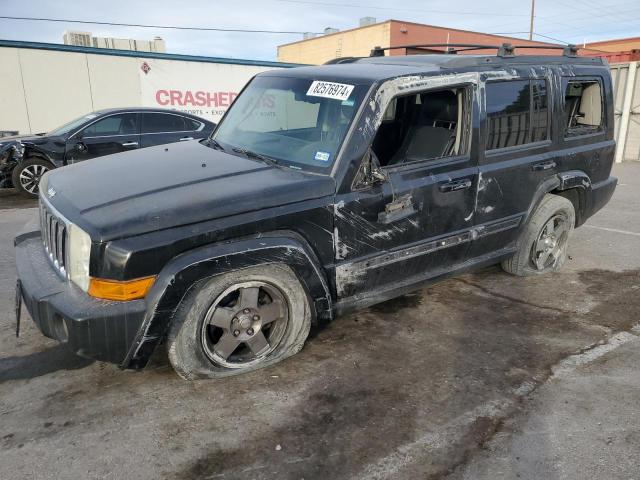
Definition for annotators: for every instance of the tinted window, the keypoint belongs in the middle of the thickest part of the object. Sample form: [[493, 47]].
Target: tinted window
[[191, 124], [122, 124], [540, 111], [508, 113], [163, 123]]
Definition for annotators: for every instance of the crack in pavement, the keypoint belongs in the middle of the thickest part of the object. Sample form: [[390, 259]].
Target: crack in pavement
[[513, 299]]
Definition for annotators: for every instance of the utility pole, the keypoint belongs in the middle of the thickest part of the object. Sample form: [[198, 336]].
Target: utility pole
[[533, 10]]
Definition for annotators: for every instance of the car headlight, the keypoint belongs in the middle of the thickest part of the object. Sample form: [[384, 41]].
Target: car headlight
[[79, 253], [19, 150]]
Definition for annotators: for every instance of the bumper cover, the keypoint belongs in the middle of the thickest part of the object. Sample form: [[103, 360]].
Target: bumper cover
[[98, 329], [600, 195]]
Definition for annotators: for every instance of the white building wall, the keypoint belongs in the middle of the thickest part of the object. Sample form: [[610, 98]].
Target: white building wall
[[56, 88], [43, 89], [626, 87], [114, 81], [13, 106]]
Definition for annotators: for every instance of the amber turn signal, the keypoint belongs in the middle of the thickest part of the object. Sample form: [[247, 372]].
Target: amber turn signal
[[120, 290]]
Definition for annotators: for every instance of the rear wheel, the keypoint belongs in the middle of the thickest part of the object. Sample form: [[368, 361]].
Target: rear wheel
[[239, 322], [543, 245], [26, 176]]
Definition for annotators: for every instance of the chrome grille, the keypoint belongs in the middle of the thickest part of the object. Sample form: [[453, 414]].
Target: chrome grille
[[54, 236]]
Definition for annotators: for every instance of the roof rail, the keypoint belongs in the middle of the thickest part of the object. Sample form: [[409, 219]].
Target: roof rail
[[342, 60], [504, 50]]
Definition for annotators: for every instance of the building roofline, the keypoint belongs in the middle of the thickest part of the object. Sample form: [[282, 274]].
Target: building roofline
[[614, 40], [417, 24], [133, 53], [472, 31], [336, 33]]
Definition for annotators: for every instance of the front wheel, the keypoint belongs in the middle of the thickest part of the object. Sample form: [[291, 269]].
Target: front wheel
[[238, 322], [543, 244], [26, 176]]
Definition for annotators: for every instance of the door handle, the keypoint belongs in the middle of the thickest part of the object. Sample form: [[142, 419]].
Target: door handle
[[184, 139], [539, 167], [130, 144], [456, 185]]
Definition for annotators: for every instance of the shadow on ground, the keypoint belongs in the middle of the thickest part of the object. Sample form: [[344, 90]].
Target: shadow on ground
[[40, 363]]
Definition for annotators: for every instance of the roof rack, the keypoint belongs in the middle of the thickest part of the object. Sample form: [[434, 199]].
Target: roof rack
[[504, 50]]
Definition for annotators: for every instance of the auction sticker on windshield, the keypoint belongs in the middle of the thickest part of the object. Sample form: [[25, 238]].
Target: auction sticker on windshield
[[335, 91]]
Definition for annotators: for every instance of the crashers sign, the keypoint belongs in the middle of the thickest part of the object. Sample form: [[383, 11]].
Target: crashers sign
[[201, 88]]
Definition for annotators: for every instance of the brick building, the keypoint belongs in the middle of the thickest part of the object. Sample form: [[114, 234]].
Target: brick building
[[358, 42]]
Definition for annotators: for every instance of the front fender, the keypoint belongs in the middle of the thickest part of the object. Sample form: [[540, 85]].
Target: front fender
[[184, 271]]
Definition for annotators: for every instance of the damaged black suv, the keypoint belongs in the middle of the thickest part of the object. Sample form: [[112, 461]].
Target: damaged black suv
[[324, 189]]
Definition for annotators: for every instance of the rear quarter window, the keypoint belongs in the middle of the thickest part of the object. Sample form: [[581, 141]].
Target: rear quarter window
[[163, 123]]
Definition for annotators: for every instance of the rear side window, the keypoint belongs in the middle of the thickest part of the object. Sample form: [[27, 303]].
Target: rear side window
[[163, 123], [583, 107], [123, 124], [517, 113], [191, 124]]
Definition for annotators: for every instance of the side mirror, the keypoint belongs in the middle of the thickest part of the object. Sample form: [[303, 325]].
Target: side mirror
[[370, 172]]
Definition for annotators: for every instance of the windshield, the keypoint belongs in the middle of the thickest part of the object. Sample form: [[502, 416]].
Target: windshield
[[72, 125], [296, 122]]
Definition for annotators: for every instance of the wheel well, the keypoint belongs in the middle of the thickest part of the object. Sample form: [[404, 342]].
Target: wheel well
[[39, 156], [576, 197]]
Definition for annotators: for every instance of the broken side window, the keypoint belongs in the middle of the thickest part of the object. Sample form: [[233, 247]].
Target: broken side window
[[583, 107], [425, 126]]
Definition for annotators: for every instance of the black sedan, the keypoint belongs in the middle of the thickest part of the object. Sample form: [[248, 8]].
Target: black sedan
[[24, 159]]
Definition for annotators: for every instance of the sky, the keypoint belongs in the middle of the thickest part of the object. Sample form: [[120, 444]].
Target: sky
[[563, 20]]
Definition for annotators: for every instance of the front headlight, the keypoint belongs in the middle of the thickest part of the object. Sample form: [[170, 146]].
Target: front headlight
[[79, 253], [19, 150]]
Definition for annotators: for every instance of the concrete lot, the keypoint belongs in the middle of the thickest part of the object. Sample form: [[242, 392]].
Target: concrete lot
[[482, 376]]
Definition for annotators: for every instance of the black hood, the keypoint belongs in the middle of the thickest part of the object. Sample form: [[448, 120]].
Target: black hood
[[154, 188]]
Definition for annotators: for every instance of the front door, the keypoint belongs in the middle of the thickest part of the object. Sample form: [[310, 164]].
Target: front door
[[111, 134], [417, 223]]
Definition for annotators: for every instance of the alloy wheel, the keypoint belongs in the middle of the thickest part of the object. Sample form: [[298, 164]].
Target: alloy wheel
[[551, 243], [30, 177], [244, 324]]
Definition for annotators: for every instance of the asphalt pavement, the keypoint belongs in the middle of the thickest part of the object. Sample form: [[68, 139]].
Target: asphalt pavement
[[480, 376]]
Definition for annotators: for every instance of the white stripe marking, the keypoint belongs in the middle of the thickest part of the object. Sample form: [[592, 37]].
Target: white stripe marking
[[570, 364], [614, 230]]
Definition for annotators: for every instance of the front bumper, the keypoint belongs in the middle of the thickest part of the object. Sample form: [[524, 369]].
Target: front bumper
[[98, 329]]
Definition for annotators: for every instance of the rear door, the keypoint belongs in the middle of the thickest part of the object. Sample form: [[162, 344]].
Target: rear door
[[518, 155], [587, 124], [160, 128], [110, 134]]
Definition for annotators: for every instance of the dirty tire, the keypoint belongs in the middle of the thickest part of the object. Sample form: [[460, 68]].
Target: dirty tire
[[191, 355], [527, 261], [30, 167]]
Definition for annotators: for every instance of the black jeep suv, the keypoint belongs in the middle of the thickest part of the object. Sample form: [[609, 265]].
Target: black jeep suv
[[25, 159], [324, 189]]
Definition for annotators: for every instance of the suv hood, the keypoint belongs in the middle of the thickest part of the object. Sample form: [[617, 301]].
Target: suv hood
[[155, 188]]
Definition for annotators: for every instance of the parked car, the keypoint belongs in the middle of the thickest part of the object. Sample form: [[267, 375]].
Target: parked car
[[323, 190], [24, 159]]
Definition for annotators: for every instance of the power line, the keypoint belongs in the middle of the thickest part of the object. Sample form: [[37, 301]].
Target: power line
[[430, 11], [171, 27]]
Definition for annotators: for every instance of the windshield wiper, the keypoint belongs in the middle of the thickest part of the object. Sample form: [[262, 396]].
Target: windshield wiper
[[214, 144], [257, 156]]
